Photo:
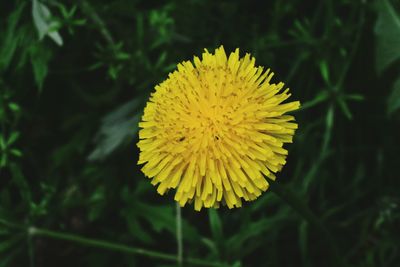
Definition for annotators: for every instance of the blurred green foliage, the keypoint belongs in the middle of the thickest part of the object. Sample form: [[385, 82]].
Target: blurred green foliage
[[75, 76]]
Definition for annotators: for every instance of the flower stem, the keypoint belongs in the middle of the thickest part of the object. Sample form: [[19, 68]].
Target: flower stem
[[33, 231], [179, 235]]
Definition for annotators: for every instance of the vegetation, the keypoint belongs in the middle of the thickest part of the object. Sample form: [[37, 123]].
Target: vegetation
[[75, 76]]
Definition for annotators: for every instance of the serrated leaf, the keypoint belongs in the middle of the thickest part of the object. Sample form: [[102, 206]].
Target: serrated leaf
[[387, 31], [393, 102], [44, 25]]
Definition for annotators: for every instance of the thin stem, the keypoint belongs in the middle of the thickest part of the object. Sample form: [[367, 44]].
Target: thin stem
[[87, 8], [12, 224], [356, 43], [31, 251], [179, 235], [33, 231], [295, 66]]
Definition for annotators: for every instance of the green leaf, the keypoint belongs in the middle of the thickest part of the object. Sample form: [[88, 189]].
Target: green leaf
[[37, 209], [161, 60], [10, 41], [117, 127], [345, 108], [14, 107], [16, 152], [39, 58], [21, 183], [160, 217], [3, 143], [393, 102], [13, 137], [387, 31], [96, 203], [215, 225], [323, 67], [44, 23], [251, 230], [136, 230], [237, 264], [113, 71], [210, 244], [121, 55], [319, 98], [355, 97], [3, 160], [329, 120], [310, 175]]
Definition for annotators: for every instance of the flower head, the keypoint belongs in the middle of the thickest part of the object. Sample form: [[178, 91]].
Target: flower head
[[214, 128]]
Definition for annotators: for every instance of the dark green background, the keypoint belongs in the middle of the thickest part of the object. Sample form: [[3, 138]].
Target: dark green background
[[75, 76]]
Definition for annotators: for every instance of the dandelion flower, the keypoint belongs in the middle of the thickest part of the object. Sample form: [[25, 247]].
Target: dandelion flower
[[214, 129]]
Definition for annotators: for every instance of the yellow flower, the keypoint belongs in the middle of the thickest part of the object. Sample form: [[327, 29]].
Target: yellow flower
[[214, 128]]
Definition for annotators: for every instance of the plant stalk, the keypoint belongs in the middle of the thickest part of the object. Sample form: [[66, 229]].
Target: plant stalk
[[33, 231], [179, 235]]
